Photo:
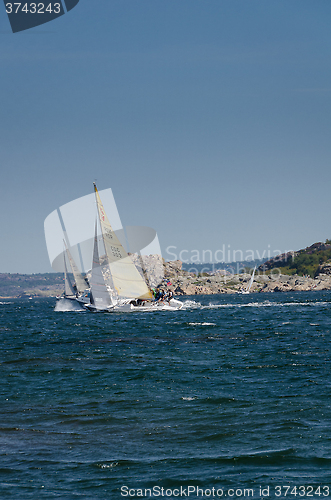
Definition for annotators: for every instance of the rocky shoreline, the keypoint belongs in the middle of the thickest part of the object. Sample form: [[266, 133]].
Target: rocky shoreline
[[182, 282], [185, 283]]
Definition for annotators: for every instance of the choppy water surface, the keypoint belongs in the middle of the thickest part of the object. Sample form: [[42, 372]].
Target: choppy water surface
[[232, 392]]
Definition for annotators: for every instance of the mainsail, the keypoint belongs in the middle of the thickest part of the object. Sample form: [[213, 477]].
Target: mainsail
[[81, 284], [126, 278], [68, 288], [100, 297]]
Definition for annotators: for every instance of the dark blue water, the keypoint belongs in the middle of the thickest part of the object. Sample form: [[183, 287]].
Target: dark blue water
[[231, 393]]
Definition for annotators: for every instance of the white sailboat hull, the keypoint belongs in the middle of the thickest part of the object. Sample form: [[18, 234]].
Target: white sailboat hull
[[129, 306], [83, 300]]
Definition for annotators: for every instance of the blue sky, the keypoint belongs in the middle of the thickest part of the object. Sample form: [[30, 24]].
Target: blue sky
[[210, 120]]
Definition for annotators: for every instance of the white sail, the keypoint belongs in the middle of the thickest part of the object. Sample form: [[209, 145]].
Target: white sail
[[127, 281], [79, 280], [251, 281], [68, 288], [100, 297]]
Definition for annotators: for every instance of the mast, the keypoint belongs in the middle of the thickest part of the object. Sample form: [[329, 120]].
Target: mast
[[127, 281]]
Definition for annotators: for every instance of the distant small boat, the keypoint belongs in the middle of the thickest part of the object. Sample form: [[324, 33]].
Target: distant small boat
[[249, 286]]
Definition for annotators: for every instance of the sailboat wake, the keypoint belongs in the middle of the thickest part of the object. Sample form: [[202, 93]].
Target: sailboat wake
[[191, 304], [65, 305]]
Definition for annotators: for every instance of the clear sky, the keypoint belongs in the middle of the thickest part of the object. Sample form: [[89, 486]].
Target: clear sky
[[209, 119]]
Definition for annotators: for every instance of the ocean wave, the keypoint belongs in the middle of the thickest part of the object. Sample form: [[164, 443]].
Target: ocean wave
[[254, 457], [202, 324]]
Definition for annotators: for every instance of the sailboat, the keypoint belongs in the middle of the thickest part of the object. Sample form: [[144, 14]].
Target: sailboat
[[249, 286], [100, 296], [69, 291], [81, 283], [79, 291], [116, 284]]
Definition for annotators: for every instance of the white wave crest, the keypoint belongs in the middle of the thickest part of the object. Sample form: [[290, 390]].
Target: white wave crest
[[108, 466], [202, 324]]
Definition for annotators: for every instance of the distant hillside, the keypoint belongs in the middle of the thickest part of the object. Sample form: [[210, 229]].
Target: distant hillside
[[308, 261], [22, 285], [228, 266]]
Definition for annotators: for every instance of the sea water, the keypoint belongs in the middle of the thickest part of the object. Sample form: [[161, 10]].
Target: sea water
[[227, 398]]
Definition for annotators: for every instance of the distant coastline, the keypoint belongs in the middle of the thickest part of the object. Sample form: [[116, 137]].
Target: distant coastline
[[15, 285], [181, 284], [176, 279], [303, 270]]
